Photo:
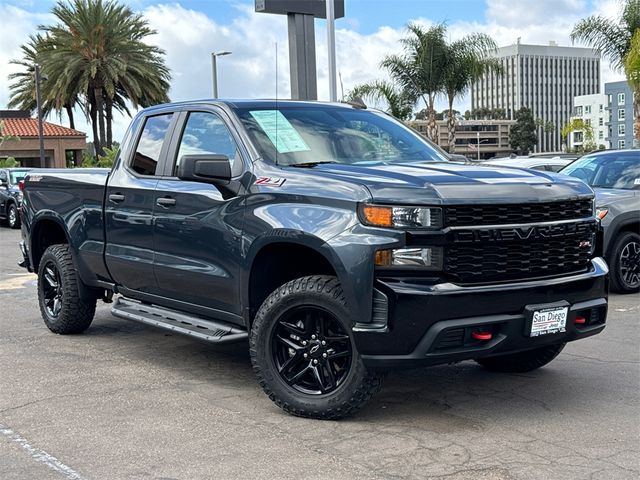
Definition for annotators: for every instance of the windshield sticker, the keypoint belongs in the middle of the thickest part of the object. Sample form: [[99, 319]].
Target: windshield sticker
[[284, 137], [636, 181]]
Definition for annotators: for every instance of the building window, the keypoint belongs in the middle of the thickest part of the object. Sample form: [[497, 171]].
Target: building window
[[577, 137], [620, 143], [601, 108], [587, 122], [600, 121], [621, 130], [587, 109], [621, 114], [578, 110], [600, 135], [621, 98]]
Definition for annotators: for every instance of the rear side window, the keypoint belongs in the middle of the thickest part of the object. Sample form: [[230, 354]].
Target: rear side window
[[147, 154], [206, 133]]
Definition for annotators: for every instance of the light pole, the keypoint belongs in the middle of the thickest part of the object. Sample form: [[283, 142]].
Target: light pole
[[39, 108], [214, 70], [479, 142], [331, 47]]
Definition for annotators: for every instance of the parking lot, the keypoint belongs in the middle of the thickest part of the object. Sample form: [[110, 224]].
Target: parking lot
[[127, 401]]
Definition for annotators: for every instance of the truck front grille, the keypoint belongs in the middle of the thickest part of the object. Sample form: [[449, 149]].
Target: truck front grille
[[476, 215]]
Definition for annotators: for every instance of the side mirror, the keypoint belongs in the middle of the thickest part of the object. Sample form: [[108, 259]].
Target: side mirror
[[205, 168], [4, 183]]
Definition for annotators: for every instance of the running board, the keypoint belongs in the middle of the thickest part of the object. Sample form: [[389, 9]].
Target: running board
[[207, 330]]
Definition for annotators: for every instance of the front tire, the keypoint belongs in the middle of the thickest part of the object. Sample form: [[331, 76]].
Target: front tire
[[523, 361], [303, 354], [65, 307], [625, 263], [13, 219]]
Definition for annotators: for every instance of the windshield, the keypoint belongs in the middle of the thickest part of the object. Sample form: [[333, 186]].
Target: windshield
[[620, 170], [16, 176], [325, 134]]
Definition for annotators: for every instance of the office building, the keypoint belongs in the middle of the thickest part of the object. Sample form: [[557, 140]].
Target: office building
[[542, 78], [592, 110], [620, 114]]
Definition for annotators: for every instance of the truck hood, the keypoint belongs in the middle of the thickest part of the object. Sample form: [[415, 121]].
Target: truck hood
[[435, 183]]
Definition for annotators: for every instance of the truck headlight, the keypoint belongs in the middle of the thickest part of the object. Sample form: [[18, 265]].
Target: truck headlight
[[428, 258], [401, 217]]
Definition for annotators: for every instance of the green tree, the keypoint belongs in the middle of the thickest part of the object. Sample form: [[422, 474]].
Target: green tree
[[632, 69], [399, 101], [420, 68], [615, 39], [467, 60], [522, 136], [579, 125]]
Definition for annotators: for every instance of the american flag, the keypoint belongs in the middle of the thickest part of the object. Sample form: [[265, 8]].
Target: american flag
[[472, 146]]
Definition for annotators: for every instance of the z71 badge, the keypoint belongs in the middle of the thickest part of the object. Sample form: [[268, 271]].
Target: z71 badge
[[270, 181]]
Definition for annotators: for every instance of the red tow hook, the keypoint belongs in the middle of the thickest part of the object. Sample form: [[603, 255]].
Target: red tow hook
[[482, 336], [580, 321]]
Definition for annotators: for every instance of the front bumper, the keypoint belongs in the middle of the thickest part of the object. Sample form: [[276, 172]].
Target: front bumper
[[432, 324]]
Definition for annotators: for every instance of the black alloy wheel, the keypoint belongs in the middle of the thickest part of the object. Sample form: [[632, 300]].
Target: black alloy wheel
[[311, 350], [630, 264], [52, 289]]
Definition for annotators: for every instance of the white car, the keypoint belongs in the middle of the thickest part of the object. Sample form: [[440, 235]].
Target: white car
[[553, 164]]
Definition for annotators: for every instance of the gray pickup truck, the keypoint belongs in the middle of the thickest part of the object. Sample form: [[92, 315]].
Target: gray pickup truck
[[336, 240]]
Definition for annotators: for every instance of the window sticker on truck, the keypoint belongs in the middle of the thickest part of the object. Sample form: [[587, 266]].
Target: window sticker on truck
[[282, 134]]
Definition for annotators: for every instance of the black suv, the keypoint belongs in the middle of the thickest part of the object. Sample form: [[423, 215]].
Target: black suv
[[10, 195]]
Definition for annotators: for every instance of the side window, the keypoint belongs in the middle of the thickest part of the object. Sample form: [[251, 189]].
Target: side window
[[206, 133], [145, 159], [3, 176]]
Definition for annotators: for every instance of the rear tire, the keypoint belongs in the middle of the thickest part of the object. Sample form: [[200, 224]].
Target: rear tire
[[523, 361], [303, 353], [13, 219], [65, 305], [625, 263]]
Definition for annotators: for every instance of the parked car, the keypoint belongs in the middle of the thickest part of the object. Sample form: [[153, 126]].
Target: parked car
[[335, 239], [10, 195], [615, 177], [553, 164]]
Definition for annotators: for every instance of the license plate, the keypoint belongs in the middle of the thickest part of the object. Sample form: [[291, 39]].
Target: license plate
[[548, 320]]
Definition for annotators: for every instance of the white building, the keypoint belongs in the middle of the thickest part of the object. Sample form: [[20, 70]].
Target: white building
[[543, 78], [592, 110]]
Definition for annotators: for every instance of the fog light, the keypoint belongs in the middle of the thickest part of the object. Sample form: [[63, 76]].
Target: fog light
[[429, 258]]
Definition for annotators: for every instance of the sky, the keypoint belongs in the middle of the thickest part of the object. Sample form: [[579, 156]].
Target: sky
[[189, 30]]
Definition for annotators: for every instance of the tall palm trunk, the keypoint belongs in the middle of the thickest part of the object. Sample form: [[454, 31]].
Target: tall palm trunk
[[100, 112], [69, 110], [451, 125], [108, 106], [94, 127], [432, 127]]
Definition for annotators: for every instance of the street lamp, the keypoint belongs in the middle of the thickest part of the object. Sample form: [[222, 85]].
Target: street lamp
[[214, 70], [479, 142]]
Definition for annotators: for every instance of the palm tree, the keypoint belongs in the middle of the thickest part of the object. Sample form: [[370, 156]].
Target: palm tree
[[467, 60], [100, 53], [614, 40], [399, 101], [420, 69], [632, 69]]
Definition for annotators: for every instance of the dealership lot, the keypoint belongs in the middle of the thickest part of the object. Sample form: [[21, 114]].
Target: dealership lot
[[128, 401]]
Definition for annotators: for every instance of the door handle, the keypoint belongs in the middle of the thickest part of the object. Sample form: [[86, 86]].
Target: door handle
[[166, 202], [116, 197]]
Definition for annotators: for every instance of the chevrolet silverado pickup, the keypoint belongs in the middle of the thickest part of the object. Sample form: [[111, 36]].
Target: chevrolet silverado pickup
[[331, 237]]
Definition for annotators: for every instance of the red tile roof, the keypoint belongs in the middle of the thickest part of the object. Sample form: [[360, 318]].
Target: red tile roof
[[28, 127]]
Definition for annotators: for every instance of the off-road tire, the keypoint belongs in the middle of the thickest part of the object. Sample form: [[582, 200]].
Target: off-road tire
[[523, 361], [77, 307], [617, 282], [13, 217], [360, 384]]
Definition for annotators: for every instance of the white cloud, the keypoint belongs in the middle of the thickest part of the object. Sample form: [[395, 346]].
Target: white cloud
[[189, 36]]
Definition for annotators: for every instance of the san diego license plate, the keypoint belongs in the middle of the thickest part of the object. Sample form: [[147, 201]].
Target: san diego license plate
[[548, 320]]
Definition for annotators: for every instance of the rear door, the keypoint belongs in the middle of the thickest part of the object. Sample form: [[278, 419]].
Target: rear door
[[198, 226], [130, 199]]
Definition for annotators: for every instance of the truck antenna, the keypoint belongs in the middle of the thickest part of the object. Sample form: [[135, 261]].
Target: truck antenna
[[276, 113]]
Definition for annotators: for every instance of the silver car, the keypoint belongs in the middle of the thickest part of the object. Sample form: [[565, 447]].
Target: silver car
[[615, 177]]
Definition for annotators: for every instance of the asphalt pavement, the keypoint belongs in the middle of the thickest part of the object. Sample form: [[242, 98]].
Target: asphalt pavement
[[125, 401]]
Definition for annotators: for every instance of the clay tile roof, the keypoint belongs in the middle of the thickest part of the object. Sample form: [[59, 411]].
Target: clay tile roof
[[28, 127]]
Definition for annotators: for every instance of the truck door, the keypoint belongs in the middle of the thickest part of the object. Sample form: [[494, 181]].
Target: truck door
[[129, 203], [198, 226]]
